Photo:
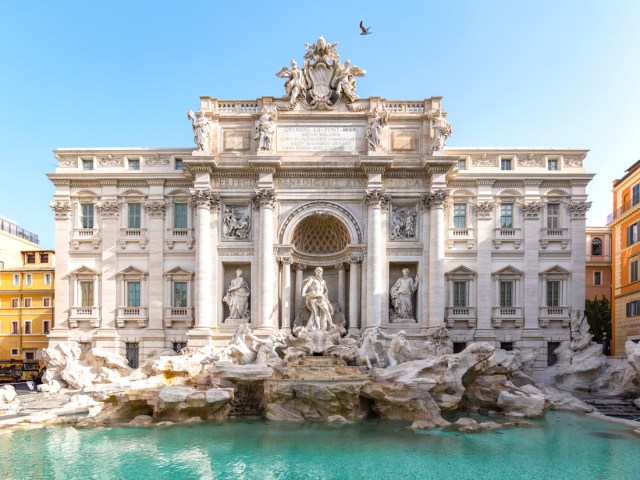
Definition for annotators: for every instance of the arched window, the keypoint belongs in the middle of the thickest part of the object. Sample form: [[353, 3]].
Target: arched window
[[596, 246]]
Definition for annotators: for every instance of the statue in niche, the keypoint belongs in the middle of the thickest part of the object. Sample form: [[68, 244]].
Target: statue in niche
[[295, 85], [402, 297], [441, 131], [404, 224], [374, 130], [236, 223], [201, 130], [266, 127], [237, 298], [314, 290]]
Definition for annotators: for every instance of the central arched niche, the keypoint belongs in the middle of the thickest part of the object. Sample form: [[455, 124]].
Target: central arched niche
[[320, 234]]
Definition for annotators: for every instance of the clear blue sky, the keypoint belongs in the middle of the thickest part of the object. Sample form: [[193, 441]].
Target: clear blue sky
[[124, 73]]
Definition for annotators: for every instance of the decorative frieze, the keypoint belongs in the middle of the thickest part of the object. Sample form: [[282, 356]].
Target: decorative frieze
[[67, 162], [531, 160], [236, 222], [109, 209], [579, 209], [155, 208], [61, 209], [157, 162], [485, 160], [575, 161], [403, 223], [111, 161]]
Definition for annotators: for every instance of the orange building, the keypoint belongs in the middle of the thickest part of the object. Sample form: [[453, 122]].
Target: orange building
[[598, 263], [625, 238], [26, 311]]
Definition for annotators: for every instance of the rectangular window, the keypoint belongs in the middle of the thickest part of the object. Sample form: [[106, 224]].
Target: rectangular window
[[29, 355], [180, 215], [459, 215], [15, 328], [597, 278], [46, 302], [16, 280], [180, 294], [553, 293], [506, 215], [635, 194], [133, 294], [633, 308], [47, 279], [27, 327], [86, 215], [27, 303], [28, 280], [632, 234], [552, 165], [15, 303], [132, 353], [633, 271], [87, 164], [134, 164], [505, 164], [15, 352], [462, 164], [459, 294], [506, 294], [86, 294], [133, 218], [553, 213], [46, 327], [44, 258], [179, 163], [31, 258]]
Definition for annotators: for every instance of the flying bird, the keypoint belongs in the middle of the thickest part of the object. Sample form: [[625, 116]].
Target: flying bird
[[365, 30]]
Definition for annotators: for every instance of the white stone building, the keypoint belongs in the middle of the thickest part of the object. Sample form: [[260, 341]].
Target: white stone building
[[148, 241]]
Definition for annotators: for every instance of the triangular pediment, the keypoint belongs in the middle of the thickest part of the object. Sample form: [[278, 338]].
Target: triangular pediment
[[461, 270], [83, 270], [556, 269], [131, 270], [179, 271], [508, 270]]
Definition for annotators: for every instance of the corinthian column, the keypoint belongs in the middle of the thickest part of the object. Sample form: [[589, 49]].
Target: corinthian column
[[266, 198], [424, 294], [436, 257], [377, 199], [286, 293], [353, 293], [203, 200]]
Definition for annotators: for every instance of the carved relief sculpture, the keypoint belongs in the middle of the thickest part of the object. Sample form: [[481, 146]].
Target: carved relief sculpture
[[402, 297], [237, 298], [374, 130], [201, 130], [266, 127], [403, 223], [441, 131], [236, 222]]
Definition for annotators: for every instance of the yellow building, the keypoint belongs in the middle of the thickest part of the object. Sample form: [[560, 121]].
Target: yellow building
[[26, 311]]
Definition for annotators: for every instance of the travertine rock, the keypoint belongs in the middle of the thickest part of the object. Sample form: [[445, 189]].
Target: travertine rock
[[559, 400], [141, 421], [579, 370], [497, 392], [629, 382], [9, 401]]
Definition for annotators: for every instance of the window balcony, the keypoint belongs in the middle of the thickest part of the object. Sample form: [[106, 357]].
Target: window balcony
[[133, 235], [178, 314], [554, 314], [128, 314], [460, 314], [507, 235], [461, 235], [550, 235], [507, 314], [180, 235], [92, 314], [89, 235]]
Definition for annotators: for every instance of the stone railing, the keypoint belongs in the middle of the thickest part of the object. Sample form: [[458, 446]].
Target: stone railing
[[551, 314], [461, 235], [511, 314], [178, 314], [81, 235], [138, 314], [92, 314], [548, 235], [501, 235], [404, 107], [460, 314], [180, 235]]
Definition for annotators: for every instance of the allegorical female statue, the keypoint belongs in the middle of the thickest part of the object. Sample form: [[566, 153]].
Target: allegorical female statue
[[402, 296], [237, 298]]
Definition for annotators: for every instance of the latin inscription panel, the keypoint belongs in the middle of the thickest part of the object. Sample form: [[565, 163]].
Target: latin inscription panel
[[320, 139]]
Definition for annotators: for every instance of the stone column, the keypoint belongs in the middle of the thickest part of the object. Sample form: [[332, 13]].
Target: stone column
[[531, 214], [286, 293], [376, 199], [484, 214], [155, 213], [267, 319], [436, 257], [105, 296], [423, 289], [298, 303], [59, 332], [341, 287], [202, 200], [354, 288], [578, 211]]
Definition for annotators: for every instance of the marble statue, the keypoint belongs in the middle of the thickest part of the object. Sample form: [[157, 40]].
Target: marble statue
[[368, 349], [344, 80], [201, 130], [295, 85], [441, 131], [374, 130], [580, 336], [266, 127], [399, 350], [237, 298], [314, 290], [402, 296], [236, 223], [403, 224]]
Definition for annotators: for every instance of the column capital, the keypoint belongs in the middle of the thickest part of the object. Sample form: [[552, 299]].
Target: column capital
[[300, 266], [532, 210], [435, 198], [484, 210], [61, 209], [286, 260], [355, 260], [204, 198], [155, 208], [579, 210], [264, 197], [340, 266], [377, 197], [109, 209]]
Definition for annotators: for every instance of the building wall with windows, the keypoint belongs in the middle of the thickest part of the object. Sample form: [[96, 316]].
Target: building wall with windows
[[625, 235], [27, 306], [598, 279], [13, 240]]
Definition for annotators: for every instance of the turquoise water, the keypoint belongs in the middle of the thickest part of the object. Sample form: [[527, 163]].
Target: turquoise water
[[562, 446]]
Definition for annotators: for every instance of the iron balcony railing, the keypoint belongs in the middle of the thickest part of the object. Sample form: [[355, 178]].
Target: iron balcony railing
[[13, 229]]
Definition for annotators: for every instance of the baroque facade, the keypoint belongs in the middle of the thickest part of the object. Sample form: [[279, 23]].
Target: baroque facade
[[159, 248]]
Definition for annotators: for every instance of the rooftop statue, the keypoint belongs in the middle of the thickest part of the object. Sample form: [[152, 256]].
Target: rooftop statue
[[201, 130], [323, 81], [441, 131]]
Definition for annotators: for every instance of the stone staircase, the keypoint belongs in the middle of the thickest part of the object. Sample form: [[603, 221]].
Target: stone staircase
[[615, 407]]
